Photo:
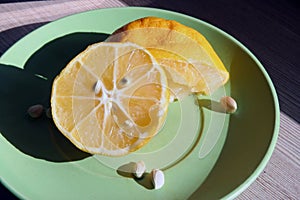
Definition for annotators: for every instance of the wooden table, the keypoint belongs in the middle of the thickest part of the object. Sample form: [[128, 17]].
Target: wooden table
[[270, 29]]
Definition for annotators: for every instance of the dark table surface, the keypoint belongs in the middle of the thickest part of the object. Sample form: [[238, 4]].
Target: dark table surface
[[269, 28]]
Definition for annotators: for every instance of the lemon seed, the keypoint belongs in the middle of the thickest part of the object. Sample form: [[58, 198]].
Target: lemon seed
[[229, 104], [48, 113], [97, 87], [35, 111], [158, 178], [139, 169]]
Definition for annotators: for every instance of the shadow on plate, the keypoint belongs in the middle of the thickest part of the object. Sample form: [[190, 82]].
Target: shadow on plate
[[126, 171], [250, 132], [21, 88]]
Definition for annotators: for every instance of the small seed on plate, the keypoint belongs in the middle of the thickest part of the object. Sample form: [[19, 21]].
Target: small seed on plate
[[139, 169], [48, 113], [229, 104], [158, 178], [35, 111]]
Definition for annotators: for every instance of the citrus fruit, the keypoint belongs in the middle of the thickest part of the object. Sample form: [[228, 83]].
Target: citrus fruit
[[191, 64], [111, 99]]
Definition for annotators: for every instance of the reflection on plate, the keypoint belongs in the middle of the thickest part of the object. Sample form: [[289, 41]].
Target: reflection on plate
[[187, 148]]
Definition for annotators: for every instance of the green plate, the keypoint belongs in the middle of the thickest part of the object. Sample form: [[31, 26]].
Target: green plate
[[204, 153]]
